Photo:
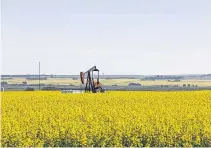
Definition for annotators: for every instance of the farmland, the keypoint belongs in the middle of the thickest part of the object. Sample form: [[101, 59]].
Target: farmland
[[119, 82], [109, 119]]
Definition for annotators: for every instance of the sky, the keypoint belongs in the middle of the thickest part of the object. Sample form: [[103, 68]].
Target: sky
[[139, 37]]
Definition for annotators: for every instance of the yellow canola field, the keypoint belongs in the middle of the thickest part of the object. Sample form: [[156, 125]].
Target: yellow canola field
[[110, 119]]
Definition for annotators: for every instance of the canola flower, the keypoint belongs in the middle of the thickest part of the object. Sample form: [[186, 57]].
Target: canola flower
[[112, 119]]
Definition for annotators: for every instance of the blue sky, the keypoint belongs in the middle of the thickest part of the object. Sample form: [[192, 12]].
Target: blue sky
[[118, 36]]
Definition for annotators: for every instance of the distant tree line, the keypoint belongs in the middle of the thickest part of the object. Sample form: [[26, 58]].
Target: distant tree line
[[160, 77]]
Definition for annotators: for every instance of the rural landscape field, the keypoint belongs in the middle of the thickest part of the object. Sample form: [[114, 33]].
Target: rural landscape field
[[102, 73], [119, 82], [119, 119]]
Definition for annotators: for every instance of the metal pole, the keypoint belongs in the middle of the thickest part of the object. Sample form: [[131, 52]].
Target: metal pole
[[39, 75]]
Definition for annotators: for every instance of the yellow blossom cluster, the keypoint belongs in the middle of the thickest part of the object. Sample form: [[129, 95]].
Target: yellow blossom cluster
[[112, 119]]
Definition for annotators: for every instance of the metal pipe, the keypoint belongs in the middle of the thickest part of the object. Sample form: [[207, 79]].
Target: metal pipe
[[39, 75]]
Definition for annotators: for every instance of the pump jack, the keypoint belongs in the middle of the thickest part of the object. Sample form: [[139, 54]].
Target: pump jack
[[91, 85]]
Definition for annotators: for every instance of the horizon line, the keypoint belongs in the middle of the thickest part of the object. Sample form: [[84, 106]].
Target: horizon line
[[114, 74]]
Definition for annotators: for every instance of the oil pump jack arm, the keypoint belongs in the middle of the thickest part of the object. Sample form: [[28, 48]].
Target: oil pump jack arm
[[91, 69], [82, 74]]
